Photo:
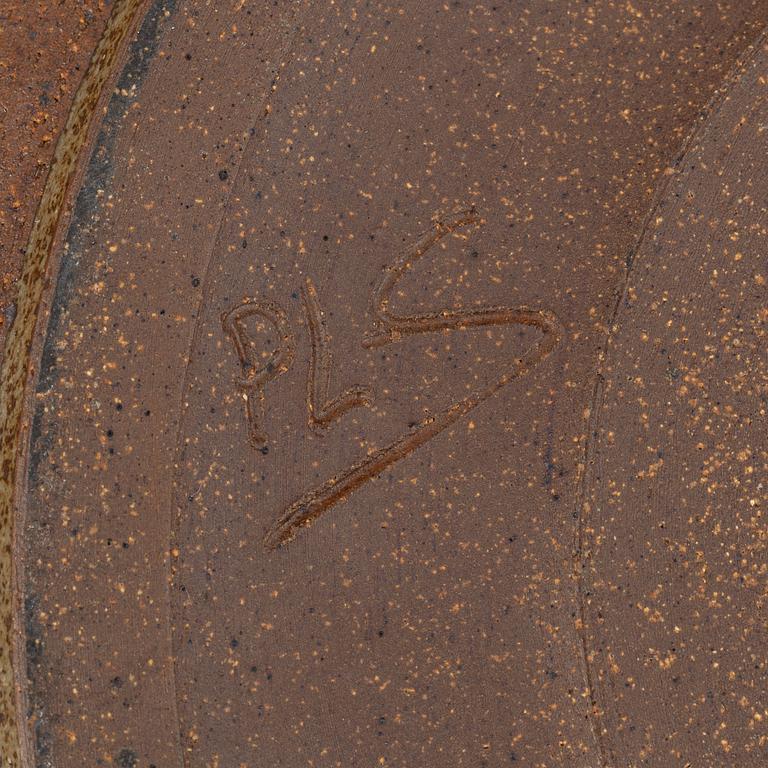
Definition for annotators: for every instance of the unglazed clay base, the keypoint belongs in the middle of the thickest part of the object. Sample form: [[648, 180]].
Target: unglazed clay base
[[389, 390]]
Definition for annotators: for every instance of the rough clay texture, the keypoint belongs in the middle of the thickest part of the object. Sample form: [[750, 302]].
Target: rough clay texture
[[45, 50], [368, 418], [33, 107]]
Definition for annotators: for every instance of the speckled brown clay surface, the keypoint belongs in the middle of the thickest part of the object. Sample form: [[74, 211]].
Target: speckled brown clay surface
[[399, 396], [675, 535], [15, 360], [44, 51]]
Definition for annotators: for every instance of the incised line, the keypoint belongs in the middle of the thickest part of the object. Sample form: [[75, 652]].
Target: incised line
[[323, 411], [257, 373], [391, 327]]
